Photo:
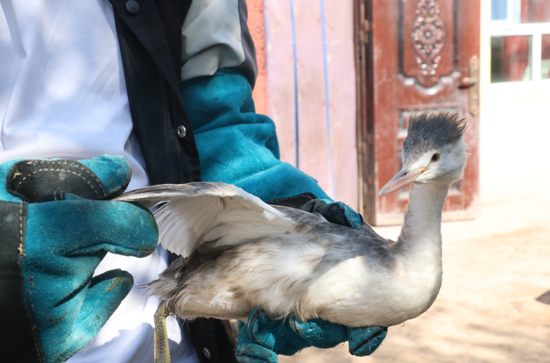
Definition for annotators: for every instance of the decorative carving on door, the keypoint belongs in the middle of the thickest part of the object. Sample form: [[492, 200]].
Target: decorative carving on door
[[428, 36], [427, 43]]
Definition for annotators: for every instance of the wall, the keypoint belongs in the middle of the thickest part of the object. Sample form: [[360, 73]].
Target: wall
[[311, 90], [515, 130]]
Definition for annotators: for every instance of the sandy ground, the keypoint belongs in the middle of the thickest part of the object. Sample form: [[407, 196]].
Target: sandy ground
[[495, 268]]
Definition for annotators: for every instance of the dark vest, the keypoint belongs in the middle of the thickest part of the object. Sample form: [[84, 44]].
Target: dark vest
[[149, 34]]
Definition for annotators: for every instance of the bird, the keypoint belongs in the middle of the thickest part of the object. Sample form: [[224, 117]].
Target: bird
[[238, 252]]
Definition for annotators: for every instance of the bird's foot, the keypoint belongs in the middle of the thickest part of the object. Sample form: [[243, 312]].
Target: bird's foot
[[162, 351]]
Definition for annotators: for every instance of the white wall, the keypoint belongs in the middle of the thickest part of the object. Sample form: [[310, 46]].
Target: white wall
[[514, 132]]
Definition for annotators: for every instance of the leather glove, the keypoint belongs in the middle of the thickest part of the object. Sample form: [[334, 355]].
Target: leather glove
[[261, 339], [334, 212], [52, 243]]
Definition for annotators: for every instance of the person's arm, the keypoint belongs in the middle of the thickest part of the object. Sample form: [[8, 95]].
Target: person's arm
[[235, 144]]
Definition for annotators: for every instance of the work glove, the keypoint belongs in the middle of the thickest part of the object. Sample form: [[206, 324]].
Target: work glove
[[58, 225], [261, 339]]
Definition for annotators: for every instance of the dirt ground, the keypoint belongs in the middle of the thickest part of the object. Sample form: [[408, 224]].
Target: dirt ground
[[495, 268]]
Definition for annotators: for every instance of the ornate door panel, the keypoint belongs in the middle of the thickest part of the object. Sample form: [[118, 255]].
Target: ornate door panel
[[414, 56]]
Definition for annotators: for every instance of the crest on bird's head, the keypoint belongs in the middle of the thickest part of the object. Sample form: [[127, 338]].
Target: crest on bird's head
[[429, 131]]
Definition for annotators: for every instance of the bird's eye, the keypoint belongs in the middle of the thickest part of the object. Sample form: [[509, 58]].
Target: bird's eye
[[435, 157]]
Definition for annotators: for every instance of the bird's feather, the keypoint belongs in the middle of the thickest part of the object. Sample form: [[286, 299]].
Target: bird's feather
[[206, 217]]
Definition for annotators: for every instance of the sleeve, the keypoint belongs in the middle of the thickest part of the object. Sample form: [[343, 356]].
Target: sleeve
[[235, 144], [214, 36]]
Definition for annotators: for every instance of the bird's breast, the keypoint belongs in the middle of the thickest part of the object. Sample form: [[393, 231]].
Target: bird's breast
[[358, 292]]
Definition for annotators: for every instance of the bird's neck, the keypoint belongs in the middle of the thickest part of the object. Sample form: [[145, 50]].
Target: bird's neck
[[418, 249], [421, 232]]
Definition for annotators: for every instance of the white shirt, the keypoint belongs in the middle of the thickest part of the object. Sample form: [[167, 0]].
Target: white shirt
[[63, 95]]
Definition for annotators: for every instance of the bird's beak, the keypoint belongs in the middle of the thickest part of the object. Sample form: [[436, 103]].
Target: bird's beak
[[402, 179]]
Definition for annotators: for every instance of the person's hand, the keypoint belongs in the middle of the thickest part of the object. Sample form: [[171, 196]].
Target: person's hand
[[261, 339], [58, 226]]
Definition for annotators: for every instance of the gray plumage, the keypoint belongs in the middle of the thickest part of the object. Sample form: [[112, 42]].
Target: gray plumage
[[238, 252], [429, 131]]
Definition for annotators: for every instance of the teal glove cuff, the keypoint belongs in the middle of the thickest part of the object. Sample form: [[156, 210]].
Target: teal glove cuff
[[235, 144]]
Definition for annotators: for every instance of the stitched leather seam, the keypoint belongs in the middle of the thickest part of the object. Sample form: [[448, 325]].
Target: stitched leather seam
[[40, 357], [114, 284], [250, 334], [22, 253], [80, 166], [146, 251], [69, 171], [29, 278], [21, 246]]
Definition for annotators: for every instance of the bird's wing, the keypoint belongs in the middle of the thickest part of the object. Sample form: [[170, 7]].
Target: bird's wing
[[206, 217]]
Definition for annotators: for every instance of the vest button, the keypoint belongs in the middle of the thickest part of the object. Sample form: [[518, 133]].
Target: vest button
[[206, 353], [132, 7], [182, 131]]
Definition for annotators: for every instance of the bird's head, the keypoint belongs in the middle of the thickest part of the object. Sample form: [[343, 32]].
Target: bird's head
[[433, 152]]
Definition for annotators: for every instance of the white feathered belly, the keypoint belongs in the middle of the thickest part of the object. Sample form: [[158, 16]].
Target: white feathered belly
[[354, 292], [353, 295]]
